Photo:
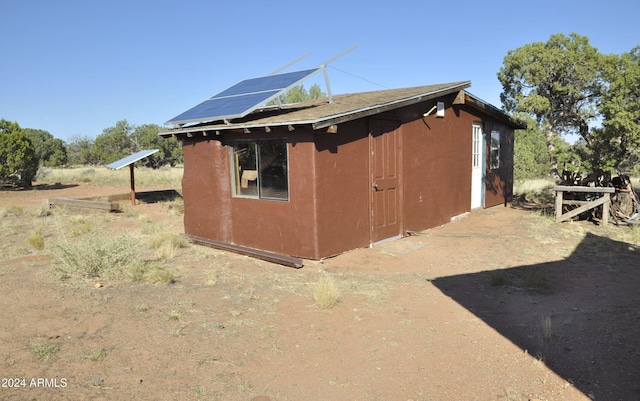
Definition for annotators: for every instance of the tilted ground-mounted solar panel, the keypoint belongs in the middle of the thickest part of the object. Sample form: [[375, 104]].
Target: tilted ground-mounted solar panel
[[125, 161], [242, 98]]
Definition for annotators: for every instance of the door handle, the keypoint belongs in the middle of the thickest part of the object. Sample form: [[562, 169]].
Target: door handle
[[375, 186]]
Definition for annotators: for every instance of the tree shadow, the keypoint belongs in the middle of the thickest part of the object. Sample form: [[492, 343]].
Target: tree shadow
[[38, 187], [580, 315]]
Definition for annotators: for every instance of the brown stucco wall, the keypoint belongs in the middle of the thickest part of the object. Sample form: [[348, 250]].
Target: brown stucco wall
[[436, 167], [343, 188], [211, 211], [206, 190], [286, 227]]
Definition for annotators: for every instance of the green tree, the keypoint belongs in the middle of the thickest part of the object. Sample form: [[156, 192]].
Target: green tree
[[18, 159], [618, 141], [80, 151], [146, 137], [124, 139], [299, 94], [114, 142], [51, 151], [531, 159], [558, 82]]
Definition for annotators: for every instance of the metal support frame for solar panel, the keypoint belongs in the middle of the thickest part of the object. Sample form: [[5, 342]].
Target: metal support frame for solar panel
[[326, 74], [130, 161], [284, 67]]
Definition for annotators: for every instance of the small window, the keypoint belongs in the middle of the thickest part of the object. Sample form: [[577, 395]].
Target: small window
[[475, 151], [495, 149], [260, 169]]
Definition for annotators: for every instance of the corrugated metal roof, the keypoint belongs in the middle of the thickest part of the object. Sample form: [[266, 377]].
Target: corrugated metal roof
[[125, 161]]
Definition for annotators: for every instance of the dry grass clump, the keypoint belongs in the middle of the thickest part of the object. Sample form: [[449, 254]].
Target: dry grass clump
[[167, 244], [326, 293], [96, 257], [36, 240], [42, 211], [13, 210], [176, 208], [79, 225], [98, 355], [139, 271], [633, 235], [161, 276], [44, 350]]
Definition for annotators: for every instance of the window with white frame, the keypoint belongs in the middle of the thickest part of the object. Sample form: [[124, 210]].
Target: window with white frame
[[477, 140], [495, 149], [260, 169]]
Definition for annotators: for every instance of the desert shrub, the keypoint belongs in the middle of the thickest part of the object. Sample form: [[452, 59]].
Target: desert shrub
[[96, 257], [325, 293], [18, 159]]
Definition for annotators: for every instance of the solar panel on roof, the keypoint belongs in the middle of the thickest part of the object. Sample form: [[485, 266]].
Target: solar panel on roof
[[242, 98], [125, 161], [224, 108], [268, 83]]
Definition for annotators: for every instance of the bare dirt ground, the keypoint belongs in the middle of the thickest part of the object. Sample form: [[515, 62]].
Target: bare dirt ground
[[504, 304]]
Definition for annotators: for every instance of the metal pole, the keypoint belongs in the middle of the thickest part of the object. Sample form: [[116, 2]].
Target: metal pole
[[133, 185]]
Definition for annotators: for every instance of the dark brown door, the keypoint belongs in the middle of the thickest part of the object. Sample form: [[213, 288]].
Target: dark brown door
[[385, 180]]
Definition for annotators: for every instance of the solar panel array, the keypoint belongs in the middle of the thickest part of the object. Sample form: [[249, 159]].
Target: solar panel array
[[125, 161], [242, 98]]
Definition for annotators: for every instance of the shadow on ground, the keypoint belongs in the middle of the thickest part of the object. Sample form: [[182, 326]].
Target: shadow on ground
[[168, 195], [39, 187], [164, 195], [580, 315]]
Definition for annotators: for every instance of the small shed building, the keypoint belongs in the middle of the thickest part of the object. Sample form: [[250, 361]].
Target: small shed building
[[319, 178]]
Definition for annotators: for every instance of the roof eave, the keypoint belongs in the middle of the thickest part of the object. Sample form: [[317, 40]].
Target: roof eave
[[381, 108], [480, 104], [323, 122], [229, 127]]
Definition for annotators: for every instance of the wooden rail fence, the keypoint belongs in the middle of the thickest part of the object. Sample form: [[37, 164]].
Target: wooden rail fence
[[604, 200]]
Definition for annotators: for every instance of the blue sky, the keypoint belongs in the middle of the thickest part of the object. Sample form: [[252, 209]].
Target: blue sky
[[76, 67]]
